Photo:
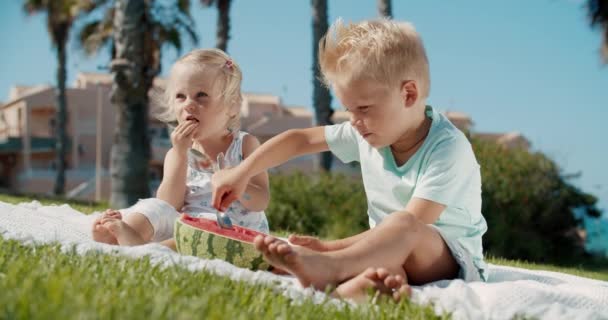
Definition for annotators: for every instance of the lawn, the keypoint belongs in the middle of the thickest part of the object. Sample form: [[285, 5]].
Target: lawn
[[47, 283]]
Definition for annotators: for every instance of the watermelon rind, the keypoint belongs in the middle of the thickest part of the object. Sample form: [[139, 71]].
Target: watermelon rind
[[195, 242]]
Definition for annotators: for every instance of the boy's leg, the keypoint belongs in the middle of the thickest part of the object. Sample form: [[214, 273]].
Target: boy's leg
[[134, 229], [379, 281], [400, 243]]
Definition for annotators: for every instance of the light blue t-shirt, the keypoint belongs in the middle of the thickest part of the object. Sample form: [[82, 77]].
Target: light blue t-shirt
[[443, 170]]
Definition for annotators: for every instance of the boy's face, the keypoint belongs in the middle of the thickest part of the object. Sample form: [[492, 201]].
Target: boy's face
[[380, 114]]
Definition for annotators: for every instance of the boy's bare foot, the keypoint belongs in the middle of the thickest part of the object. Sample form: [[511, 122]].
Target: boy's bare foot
[[310, 267], [100, 232], [376, 281]]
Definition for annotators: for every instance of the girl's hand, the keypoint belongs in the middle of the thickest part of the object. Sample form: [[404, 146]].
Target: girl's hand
[[309, 242], [182, 135], [228, 186]]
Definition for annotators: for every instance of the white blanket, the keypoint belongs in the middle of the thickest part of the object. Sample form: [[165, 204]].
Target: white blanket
[[509, 291]]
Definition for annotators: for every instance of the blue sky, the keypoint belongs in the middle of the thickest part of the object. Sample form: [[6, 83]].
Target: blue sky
[[517, 65]]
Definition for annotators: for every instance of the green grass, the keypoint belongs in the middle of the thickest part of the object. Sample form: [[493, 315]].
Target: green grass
[[82, 206], [42, 282]]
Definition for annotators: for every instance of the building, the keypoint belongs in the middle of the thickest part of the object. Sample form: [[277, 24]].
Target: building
[[27, 138]]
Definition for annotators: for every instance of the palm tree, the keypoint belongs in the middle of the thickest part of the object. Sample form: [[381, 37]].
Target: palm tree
[[321, 96], [131, 150], [61, 14], [385, 9], [223, 22], [598, 13], [136, 31]]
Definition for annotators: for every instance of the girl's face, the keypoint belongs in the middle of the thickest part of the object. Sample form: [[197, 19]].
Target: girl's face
[[194, 97]]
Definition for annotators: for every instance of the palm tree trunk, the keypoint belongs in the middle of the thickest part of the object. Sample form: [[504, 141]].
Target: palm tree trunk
[[131, 150], [321, 96], [223, 24], [385, 9], [61, 139]]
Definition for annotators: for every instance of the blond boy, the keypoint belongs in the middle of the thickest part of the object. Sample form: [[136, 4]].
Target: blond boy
[[421, 177]]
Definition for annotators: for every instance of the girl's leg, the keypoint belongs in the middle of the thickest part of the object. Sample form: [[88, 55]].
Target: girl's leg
[[400, 243], [100, 233], [134, 229], [170, 243]]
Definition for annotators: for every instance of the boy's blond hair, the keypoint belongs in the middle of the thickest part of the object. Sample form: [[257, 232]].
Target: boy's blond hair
[[382, 50], [227, 83]]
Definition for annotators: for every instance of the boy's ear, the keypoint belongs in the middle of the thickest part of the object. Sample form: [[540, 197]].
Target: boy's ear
[[409, 92]]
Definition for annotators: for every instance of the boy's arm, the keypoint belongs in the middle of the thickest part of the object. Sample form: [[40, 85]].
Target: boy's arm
[[172, 188], [229, 185], [426, 211], [257, 195]]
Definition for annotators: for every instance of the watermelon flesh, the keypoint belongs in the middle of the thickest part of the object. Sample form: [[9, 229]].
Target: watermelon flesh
[[203, 238], [237, 232]]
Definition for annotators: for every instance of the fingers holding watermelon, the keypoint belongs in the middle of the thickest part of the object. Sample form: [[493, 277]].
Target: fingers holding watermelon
[[228, 186]]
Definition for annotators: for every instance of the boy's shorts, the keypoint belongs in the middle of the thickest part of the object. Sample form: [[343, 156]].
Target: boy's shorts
[[161, 215], [468, 271]]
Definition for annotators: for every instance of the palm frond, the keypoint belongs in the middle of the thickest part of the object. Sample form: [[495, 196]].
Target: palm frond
[[207, 3], [184, 6], [97, 34], [171, 37], [598, 16], [33, 6]]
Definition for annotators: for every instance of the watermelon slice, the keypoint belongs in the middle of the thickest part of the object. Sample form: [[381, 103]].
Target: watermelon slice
[[203, 238]]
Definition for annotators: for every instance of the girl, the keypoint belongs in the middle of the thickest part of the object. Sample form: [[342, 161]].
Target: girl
[[203, 96]]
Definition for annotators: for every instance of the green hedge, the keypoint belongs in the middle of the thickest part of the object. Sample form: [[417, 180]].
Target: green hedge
[[329, 206], [529, 206], [527, 203]]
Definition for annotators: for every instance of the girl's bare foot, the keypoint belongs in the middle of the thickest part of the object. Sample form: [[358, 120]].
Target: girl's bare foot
[[123, 232], [375, 281], [100, 232], [310, 267]]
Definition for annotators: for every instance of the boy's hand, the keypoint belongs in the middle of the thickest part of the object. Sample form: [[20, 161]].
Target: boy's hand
[[182, 135], [311, 243], [228, 186]]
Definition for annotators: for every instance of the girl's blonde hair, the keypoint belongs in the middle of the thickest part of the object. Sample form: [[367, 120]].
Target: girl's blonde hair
[[382, 50], [227, 83]]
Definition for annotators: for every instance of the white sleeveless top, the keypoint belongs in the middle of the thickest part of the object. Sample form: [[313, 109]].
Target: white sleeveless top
[[197, 202]]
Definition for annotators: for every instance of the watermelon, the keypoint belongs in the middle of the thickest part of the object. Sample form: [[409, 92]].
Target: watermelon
[[203, 238]]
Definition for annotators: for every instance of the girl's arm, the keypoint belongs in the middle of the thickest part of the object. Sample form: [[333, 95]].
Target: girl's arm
[[229, 185], [173, 187], [257, 194]]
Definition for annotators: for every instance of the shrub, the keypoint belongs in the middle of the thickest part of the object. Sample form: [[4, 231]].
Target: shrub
[[326, 205], [529, 206]]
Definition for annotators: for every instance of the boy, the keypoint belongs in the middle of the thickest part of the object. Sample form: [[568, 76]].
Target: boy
[[420, 175]]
